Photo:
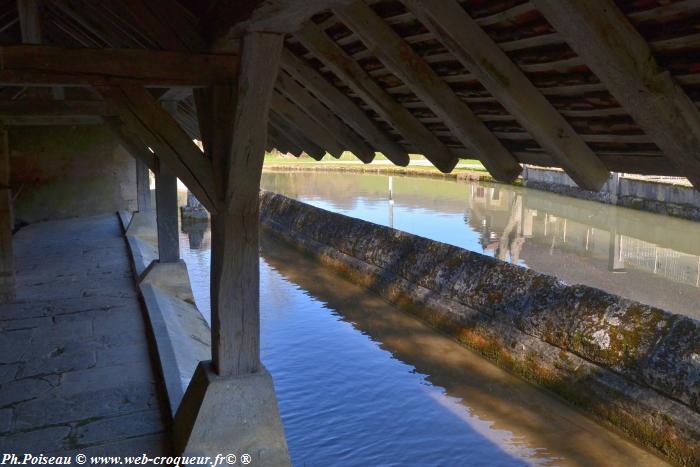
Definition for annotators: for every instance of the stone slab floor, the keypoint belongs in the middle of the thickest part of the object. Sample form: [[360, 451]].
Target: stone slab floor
[[76, 374]]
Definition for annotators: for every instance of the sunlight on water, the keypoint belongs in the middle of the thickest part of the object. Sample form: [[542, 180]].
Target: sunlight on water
[[646, 257], [360, 383]]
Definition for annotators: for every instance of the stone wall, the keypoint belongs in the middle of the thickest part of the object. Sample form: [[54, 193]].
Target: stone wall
[[652, 196], [69, 171], [631, 365]]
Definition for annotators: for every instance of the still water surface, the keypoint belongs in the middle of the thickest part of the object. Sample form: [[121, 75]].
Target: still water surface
[[646, 257], [360, 383]]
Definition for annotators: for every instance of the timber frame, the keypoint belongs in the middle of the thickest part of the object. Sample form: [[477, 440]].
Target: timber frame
[[508, 82]]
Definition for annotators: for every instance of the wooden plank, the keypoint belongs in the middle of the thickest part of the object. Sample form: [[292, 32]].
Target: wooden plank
[[407, 65], [613, 49], [324, 117], [288, 111], [145, 117], [344, 107], [43, 65], [448, 21], [235, 275], [361, 83]]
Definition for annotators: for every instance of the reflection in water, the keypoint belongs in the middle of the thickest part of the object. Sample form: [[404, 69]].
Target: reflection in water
[[360, 383], [646, 257]]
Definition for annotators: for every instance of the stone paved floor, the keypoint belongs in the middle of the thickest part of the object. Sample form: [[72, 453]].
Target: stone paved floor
[[75, 371]]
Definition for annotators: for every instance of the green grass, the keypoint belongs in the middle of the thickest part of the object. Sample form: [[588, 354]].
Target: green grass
[[349, 159]]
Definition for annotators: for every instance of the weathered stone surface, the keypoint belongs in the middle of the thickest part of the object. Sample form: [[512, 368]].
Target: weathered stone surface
[[674, 364], [5, 420], [35, 441], [73, 348], [600, 351], [116, 428]]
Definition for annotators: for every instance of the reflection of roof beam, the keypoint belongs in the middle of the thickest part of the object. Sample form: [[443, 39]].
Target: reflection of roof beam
[[615, 51], [335, 58], [42, 65], [408, 66], [475, 49], [344, 107], [340, 131], [306, 125]]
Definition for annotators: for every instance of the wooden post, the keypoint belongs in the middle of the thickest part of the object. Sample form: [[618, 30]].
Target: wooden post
[[166, 213], [143, 186], [235, 282], [7, 265]]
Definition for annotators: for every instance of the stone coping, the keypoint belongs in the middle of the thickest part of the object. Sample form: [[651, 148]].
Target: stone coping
[[633, 366], [182, 336]]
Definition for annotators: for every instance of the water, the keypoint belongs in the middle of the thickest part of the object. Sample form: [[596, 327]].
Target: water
[[360, 383], [646, 257]]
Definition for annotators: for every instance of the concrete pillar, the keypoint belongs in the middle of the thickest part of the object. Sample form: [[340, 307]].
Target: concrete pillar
[[143, 186], [166, 214], [7, 264]]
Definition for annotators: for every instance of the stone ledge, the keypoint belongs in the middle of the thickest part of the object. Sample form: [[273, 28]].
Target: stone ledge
[[631, 365]]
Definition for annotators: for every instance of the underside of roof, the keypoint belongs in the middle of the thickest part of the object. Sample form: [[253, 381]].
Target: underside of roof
[[503, 81]]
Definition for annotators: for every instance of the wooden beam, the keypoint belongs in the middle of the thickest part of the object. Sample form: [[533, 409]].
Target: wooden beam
[[230, 18], [282, 143], [310, 128], [475, 49], [43, 65], [41, 120], [144, 116], [30, 27], [615, 51], [407, 65], [296, 137], [131, 142], [174, 31], [235, 275], [344, 107], [324, 117], [7, 264], [30, 24], [47, 108], [379, 100]]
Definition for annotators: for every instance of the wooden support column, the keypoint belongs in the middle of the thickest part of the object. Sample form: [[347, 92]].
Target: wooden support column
[[166, 214], [621, 58], [235, 281], [7, 264], [143, 186]]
